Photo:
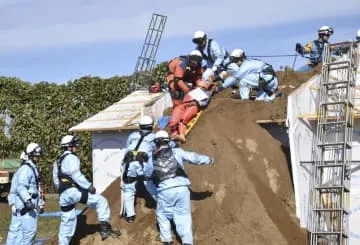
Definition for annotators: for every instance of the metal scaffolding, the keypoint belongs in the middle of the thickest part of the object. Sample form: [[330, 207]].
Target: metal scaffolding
[[330, 186], [146, 60]]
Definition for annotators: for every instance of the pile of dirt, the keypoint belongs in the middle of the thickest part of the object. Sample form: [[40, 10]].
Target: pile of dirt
[[245, 198]]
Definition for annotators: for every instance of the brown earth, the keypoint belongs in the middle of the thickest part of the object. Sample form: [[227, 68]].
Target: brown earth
[[245, 198]]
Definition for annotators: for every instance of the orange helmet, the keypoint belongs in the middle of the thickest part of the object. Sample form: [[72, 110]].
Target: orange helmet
[[202, 84]]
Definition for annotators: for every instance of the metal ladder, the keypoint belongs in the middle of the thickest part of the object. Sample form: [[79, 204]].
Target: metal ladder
[[330, 186], [146, 60]]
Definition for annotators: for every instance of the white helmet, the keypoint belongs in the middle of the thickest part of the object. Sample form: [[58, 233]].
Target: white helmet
[[23, 156], [326, 30], [146, 122], [237, 53], [196, 52], [199, 34], [199, 37], [70, 140], [33, 149], [162, 137]]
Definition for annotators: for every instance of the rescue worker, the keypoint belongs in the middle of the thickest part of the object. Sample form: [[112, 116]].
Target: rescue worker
[[139, 147], [183, 72], [203, 61], [194, 101], [215, 56], [173, 194], [250, 74], [14, 235], [26, 192], [74, 188], [315, 48]]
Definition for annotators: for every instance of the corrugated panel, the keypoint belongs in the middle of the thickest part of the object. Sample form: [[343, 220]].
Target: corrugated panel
[[121, 115]]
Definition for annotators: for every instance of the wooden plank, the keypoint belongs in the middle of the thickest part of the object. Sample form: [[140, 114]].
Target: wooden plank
[[315, 117], [97, 129], [270, 121], [104, 129]]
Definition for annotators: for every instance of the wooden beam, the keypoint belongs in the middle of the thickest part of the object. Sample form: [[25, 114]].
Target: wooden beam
[[266, 121], [104, 129]]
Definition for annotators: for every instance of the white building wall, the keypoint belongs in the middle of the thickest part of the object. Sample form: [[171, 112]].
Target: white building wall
[[107, 155], [302, 132]]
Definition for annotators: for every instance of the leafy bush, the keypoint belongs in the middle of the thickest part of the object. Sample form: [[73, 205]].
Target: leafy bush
[[44, 112]]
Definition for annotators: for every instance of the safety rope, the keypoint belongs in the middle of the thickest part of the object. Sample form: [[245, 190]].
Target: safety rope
[[275, 55]]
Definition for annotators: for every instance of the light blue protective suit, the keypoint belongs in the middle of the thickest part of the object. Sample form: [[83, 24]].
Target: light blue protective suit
[[27, 187], [248, 75], [214, 55], [135, 170], [315, 50], [173, 199], [71, 166], [14, 235]]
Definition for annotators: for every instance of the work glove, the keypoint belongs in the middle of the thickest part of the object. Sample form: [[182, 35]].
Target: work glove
[[41, 209], [13, 209], [299, 49], [212, 160], [92, 189], [214, 69], [29, 205]]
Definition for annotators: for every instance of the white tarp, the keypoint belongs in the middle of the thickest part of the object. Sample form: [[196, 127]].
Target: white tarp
[[301, 121], [125, 113], [107, 154], [301, 133]]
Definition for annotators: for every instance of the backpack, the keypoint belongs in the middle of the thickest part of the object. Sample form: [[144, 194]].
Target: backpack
[[166, 166]]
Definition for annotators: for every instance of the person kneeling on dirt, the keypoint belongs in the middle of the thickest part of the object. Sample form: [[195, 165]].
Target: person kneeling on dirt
[[250, 74], [193, 102], [183, 72], [74, 188], [173, 194], [139, 147]]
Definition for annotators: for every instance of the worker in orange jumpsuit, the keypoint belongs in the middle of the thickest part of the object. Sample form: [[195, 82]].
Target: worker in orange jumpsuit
[[188, 109], [184, 71]]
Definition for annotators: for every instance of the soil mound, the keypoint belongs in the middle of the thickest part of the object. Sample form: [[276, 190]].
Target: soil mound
[[245, 198]]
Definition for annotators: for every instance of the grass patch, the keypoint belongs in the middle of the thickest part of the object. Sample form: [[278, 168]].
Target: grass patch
[[47, 226]]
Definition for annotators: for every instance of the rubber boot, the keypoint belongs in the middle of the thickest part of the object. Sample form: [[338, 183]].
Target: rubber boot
[[107, 231], [131, 219]]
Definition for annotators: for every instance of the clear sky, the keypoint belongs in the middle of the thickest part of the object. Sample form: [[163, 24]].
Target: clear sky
[[56, 41]]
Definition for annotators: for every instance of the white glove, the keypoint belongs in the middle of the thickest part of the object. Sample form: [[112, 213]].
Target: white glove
[[13, 209], [214, 69], [223, 75]]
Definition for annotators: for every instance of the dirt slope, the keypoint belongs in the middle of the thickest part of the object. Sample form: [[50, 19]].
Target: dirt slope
[[245, 198]]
